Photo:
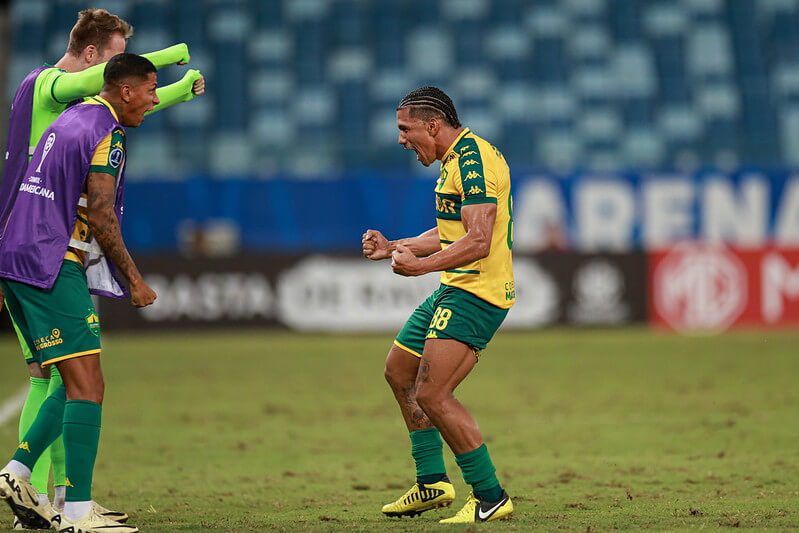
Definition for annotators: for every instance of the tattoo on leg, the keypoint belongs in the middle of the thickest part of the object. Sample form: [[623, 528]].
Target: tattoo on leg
[[424, 371], [418, 417]]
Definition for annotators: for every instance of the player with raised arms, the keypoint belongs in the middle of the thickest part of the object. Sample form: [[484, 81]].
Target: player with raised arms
[[42, 96], [49, 265], [441, 341]]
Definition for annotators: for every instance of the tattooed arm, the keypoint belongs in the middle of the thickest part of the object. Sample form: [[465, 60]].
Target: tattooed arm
[[105, 228]]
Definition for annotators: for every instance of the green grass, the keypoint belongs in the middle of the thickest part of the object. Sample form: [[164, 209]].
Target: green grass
[[588, 429]]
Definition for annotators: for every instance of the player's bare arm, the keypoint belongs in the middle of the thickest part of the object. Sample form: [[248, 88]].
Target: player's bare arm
[[478, 221], [376, 246], [105, 228]]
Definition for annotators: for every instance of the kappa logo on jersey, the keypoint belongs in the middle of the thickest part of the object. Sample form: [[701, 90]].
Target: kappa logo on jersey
[[68, 483], [470, 152], [472, 175], [475, 190], [432, 335], [24, 446], [469, 162], [115, 157]]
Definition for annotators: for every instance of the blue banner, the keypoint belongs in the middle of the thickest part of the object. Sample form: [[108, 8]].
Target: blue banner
[[580, 211]]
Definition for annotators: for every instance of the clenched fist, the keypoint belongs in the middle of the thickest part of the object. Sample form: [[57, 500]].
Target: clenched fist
[[375, 246]]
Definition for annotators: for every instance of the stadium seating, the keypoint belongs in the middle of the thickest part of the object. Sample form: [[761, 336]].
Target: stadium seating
[[307, 88]]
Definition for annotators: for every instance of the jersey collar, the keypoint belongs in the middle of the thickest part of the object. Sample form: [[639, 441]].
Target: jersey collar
[[103, 101], [452, 146]]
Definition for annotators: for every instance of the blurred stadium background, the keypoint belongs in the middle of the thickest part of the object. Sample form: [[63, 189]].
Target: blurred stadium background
[[629, 127], [652, 146]]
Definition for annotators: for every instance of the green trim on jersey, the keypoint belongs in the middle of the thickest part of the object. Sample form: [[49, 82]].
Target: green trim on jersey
[[473, 201], [116, 154], [470, 164]]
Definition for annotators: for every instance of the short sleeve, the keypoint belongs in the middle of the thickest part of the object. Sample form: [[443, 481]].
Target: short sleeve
[[477, 189], [109, 154]]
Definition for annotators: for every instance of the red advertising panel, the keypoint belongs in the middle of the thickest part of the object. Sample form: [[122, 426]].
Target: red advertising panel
[[704, 288]]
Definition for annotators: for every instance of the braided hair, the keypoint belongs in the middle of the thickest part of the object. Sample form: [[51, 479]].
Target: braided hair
[[428, 102]]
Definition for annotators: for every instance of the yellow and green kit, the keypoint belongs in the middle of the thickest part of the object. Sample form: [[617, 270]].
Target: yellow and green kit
[[473, 299]]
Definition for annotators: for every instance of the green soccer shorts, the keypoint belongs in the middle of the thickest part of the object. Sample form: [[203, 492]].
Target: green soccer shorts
[[27, 352], [451, 313], [59, 323]]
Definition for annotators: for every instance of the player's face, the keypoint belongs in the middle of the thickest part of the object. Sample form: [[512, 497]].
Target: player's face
[[116, 45], [414, 134], [142, 98]]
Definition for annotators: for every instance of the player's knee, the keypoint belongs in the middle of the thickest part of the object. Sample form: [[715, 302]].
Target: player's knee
[[429, 397], [394, 376], [92, 389], [99, 392], [37, 371], [393, 373]]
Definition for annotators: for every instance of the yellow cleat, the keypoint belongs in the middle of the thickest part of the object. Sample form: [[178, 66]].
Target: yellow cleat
[[94, 522], [20, 495], [422, 497], [47, 510], [477, 510], [116, 516]]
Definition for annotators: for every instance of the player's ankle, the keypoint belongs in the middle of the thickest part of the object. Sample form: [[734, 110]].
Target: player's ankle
[[18, 469], [76, 510]]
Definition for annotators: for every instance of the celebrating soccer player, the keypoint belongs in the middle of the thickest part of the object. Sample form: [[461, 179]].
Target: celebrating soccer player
[[441, 341], [48, 265], [44, 94]]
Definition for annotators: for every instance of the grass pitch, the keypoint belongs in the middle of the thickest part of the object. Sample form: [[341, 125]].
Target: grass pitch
[[589, 430]]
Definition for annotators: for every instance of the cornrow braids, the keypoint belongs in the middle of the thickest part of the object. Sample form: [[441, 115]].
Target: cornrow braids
[[432, 99]]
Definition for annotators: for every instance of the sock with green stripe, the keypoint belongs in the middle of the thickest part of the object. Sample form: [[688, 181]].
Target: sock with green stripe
[[479, 472], [427, 450], [36, 395], [44, 430], [57, 454], [81, 438]]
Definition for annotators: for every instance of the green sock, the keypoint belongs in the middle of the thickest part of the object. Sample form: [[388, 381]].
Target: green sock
[[427, 451], [44, 430], [81, 438], [479, 472], [40, 473], [57, 454]]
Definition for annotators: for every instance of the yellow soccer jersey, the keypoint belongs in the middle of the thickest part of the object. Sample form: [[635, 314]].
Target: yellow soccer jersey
[[108, 158], [474, 172]]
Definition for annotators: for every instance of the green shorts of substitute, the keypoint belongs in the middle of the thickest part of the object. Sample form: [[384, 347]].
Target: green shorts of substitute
[[451, 313], [59, 323], [27, 351]]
